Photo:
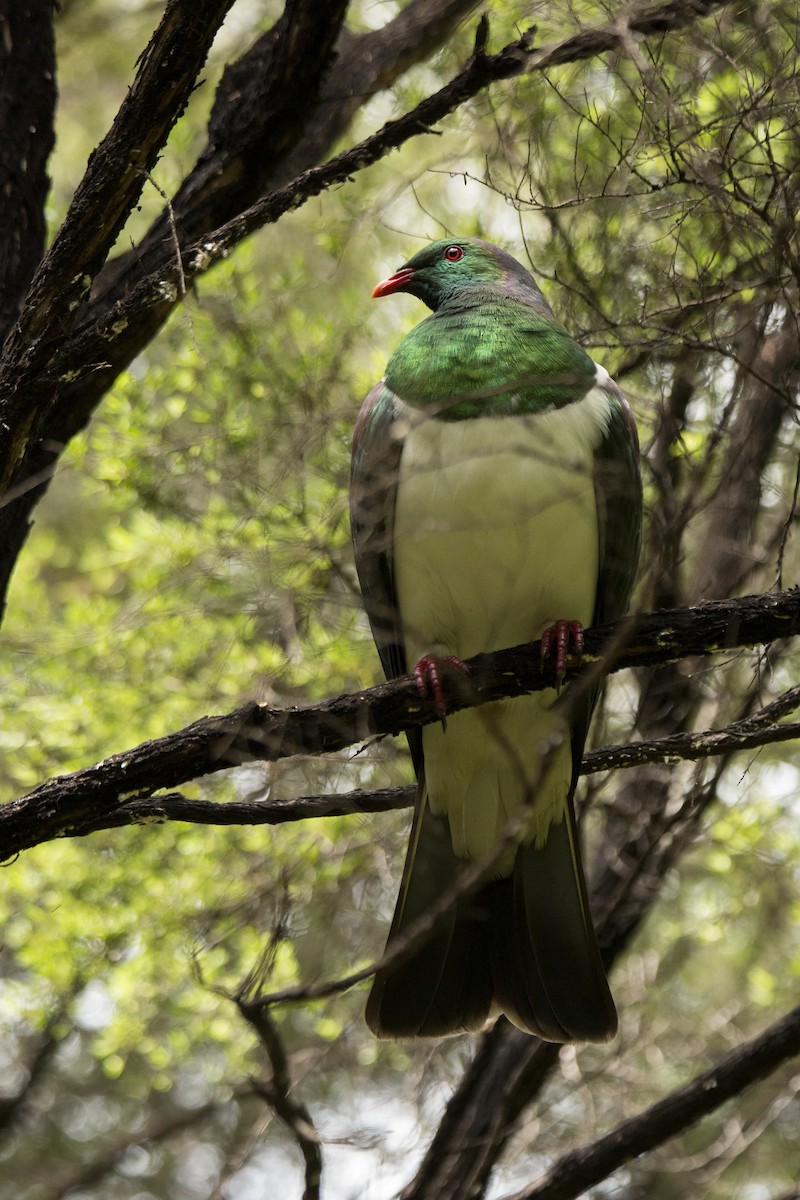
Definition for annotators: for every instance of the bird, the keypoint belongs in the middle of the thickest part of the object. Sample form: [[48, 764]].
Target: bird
[[495, 499]]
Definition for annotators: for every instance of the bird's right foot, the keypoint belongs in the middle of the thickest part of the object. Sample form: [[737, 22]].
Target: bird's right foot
[[557, 640], [429, 677]]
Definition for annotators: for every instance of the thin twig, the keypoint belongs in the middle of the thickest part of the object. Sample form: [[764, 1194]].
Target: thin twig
[[173, 229], [254, 1007]]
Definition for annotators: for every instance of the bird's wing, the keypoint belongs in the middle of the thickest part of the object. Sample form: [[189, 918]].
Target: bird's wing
[[375, 468], [618, 493], [373, 491]]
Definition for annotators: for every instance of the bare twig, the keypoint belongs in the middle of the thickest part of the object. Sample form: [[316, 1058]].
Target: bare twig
[[254, 1007]]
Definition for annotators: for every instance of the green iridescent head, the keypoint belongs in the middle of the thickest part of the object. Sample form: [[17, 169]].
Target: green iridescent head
[[445, 268]]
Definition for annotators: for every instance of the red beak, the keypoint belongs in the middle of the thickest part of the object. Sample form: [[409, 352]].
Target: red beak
[[394, 283]]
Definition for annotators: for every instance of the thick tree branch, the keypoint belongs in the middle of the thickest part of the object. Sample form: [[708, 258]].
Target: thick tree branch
[[573, 1174], [27, 108], [108, 191], [65, 803]]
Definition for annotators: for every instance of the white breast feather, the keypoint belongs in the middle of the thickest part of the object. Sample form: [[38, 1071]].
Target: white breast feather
[[495, 539]]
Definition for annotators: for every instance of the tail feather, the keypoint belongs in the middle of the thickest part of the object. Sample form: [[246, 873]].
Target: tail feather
[[548, 974], [524, 945], [445, 985]]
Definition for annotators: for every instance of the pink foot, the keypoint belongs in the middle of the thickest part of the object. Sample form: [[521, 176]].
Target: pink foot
[[556, 642], [428, 676]]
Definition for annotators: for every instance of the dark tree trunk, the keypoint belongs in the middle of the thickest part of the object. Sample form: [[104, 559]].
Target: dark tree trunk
[[27, 107]]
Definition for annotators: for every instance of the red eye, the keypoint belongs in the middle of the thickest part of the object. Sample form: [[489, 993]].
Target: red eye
[[453, 253]]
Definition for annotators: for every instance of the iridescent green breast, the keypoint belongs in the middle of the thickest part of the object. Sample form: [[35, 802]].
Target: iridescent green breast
[[495, 358]]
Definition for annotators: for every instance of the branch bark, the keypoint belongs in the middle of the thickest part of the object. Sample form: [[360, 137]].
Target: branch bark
[[176, 807], [27, 113]]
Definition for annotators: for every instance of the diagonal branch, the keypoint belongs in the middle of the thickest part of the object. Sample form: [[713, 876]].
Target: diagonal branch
[[582, 1169], [114, 176]]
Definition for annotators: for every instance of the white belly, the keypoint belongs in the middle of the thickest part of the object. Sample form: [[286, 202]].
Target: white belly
[[496, 537]]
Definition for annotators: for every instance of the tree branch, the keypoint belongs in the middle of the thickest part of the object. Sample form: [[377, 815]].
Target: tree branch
[[277, 1092], [254, 731], [103, 200], [27, 108], [709, 743]]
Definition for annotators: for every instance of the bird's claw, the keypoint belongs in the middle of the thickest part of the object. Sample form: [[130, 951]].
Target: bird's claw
[[429, 679], [555, 644]]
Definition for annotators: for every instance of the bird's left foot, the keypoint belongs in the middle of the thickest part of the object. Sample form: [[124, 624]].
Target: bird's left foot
[[429, 678], [556, 641]]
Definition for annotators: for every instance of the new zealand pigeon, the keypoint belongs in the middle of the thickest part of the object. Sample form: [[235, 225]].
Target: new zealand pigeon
[[495, 497]]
